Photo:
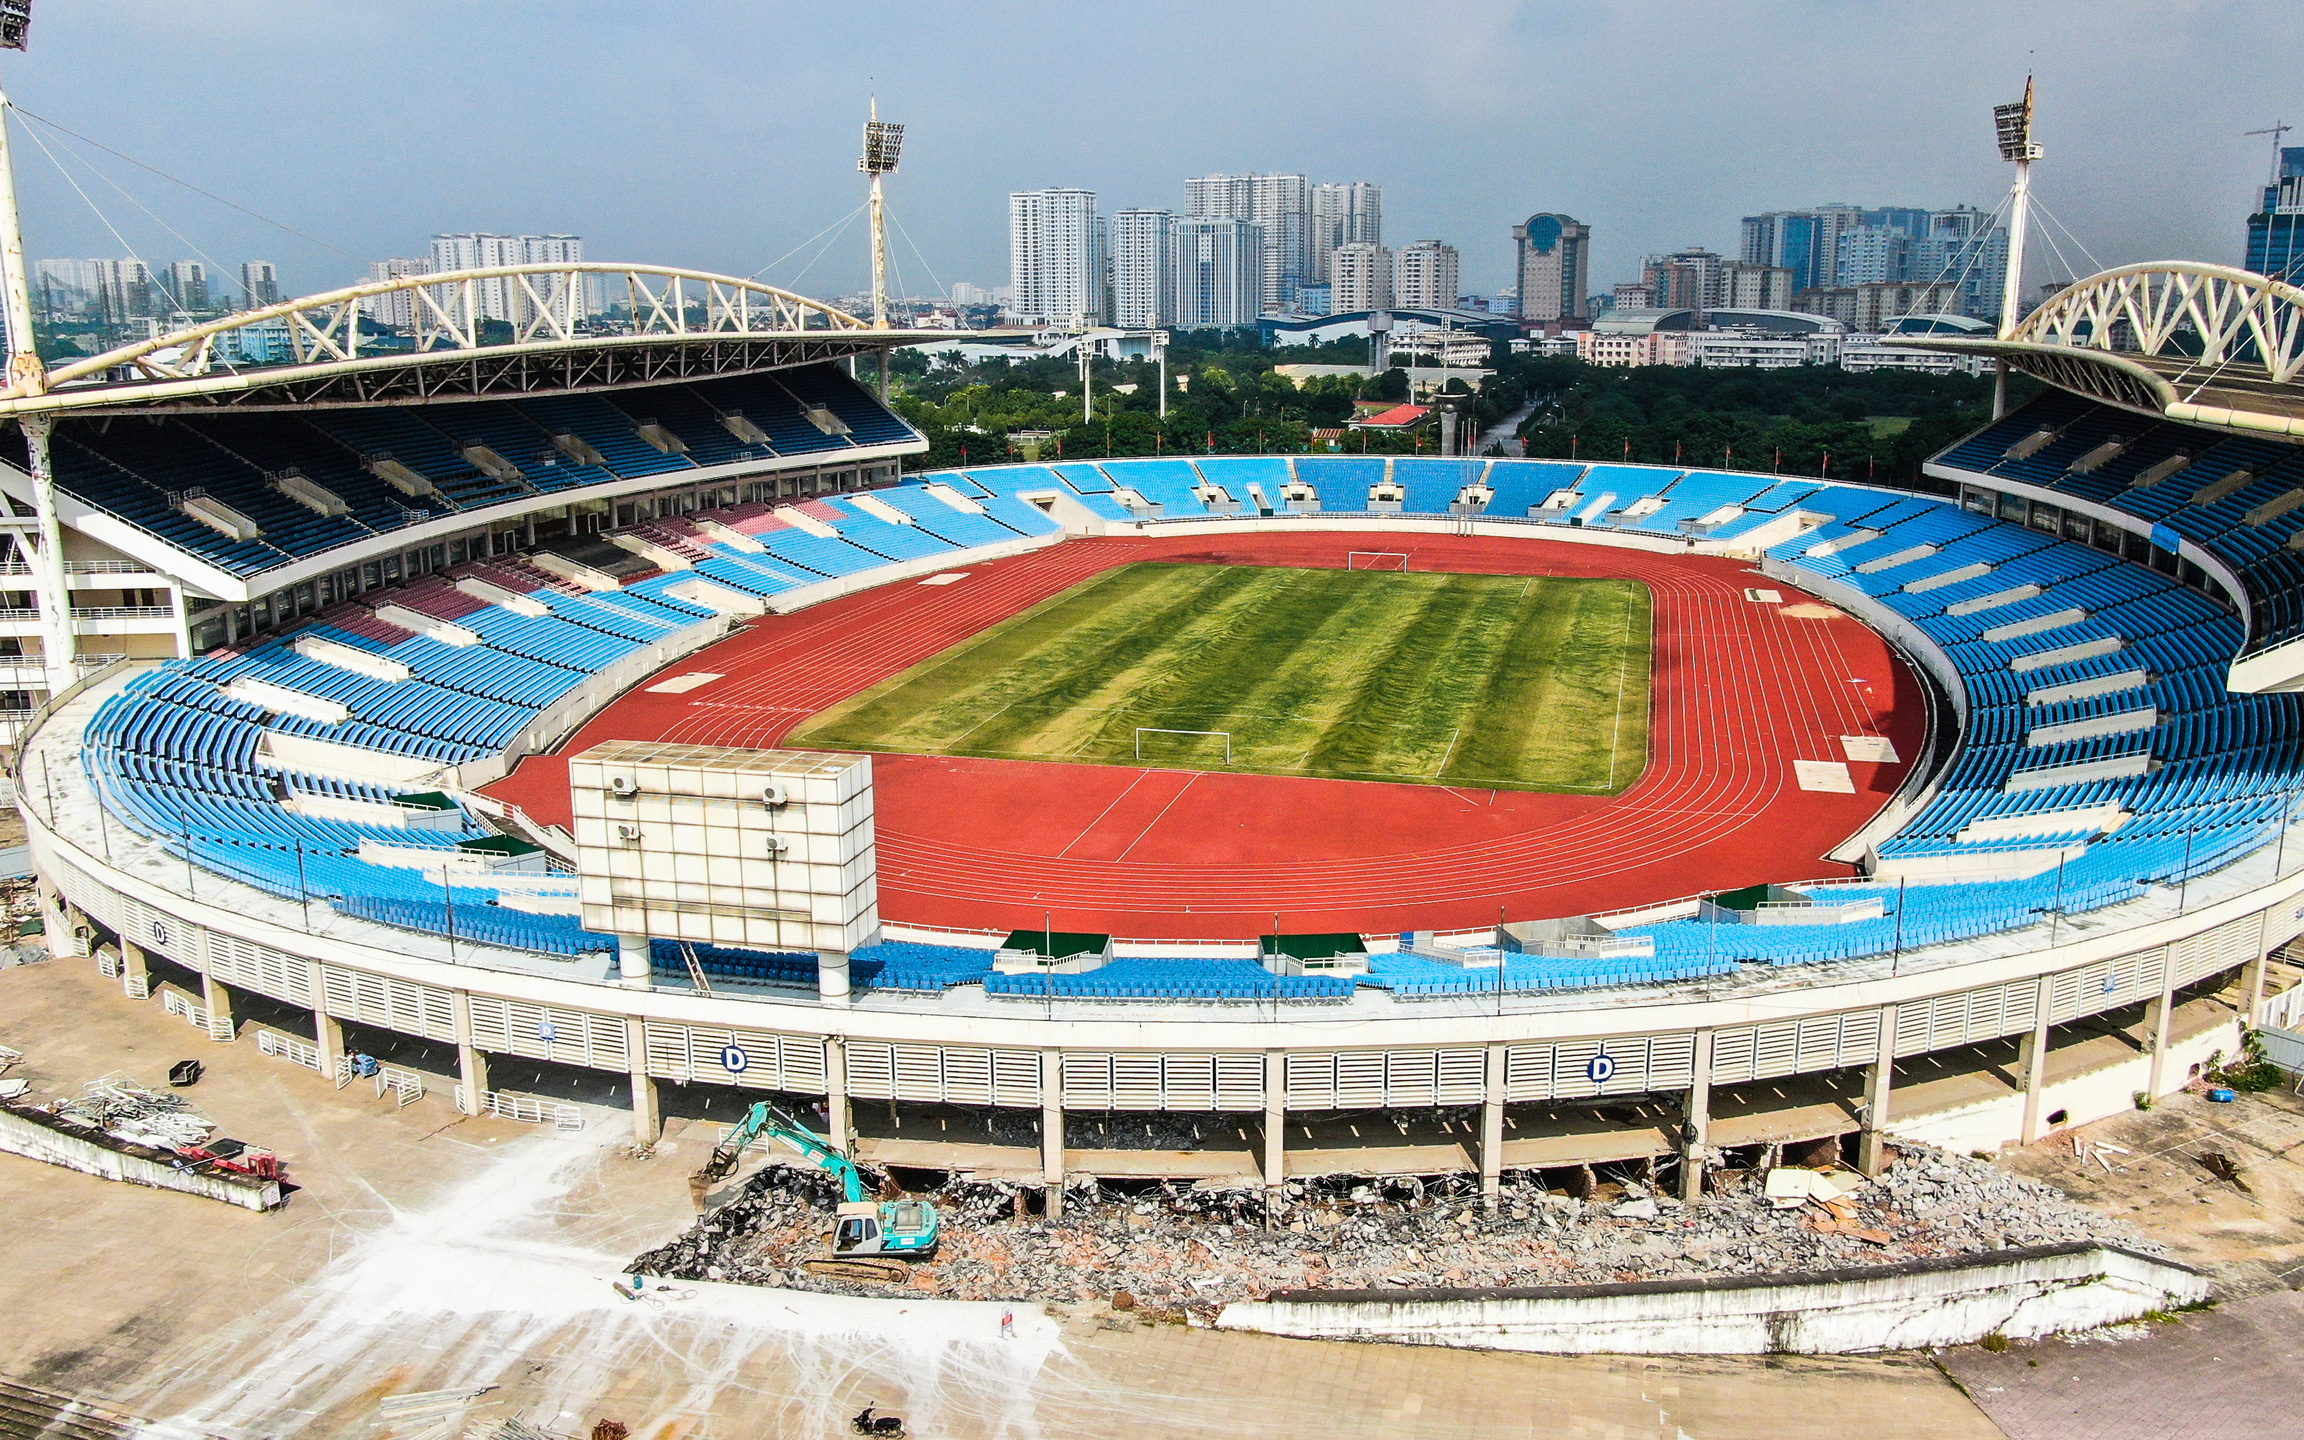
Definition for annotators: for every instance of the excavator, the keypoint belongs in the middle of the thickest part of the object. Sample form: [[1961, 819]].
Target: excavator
[[871, 1239]]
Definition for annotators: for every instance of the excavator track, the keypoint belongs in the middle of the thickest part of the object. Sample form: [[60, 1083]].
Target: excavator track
[[881, 1272]]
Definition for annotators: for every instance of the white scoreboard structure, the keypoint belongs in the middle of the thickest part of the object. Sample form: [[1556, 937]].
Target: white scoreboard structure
[[768, 850]]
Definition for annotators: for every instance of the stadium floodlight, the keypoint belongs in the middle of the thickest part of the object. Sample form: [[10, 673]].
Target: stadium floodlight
[[15, 24], [883, 145], [2013, 123]]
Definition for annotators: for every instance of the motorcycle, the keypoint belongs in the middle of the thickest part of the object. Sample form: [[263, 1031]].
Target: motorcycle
[[867, 1423]]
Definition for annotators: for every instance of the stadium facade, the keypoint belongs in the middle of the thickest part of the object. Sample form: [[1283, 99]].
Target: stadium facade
[[390, 577]]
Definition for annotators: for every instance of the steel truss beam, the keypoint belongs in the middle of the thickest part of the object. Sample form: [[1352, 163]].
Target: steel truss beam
[[680, 324]]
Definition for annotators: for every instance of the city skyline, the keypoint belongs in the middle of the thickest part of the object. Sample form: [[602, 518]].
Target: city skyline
[[2132, 172]]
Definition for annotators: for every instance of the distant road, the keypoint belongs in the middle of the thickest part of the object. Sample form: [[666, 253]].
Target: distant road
[[1506, 432]]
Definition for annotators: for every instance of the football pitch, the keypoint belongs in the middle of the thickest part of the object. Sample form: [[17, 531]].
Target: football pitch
[[1496, 681]]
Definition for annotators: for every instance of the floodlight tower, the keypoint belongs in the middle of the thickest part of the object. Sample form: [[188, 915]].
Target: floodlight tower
[[27, 376], [883, 146], [2013, 125]]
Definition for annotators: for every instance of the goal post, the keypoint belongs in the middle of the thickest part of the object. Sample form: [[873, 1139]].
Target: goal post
[[1375, 560], [1224, 735]]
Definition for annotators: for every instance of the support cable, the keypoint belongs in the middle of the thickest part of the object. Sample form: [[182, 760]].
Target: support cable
[[195, 189]]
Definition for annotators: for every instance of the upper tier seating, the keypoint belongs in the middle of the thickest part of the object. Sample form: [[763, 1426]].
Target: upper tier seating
[[142, 469], [2234, 496]]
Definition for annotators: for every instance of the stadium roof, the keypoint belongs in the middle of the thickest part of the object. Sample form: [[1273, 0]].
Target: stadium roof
[[2201, 344], [327, 349]]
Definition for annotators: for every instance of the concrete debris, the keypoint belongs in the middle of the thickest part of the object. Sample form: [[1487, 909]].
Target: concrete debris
[[425, 1404], [1789, 1187], [1180, 1251], [120, 1107]]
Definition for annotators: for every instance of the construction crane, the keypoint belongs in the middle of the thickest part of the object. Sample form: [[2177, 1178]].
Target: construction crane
[[871, 1239], [2276, 129]]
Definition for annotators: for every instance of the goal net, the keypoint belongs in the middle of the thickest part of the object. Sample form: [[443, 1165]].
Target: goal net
[[1175, 746], [1375, 560]]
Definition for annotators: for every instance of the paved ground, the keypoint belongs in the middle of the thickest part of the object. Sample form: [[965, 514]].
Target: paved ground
[[2229, 1373], [427, 1250]]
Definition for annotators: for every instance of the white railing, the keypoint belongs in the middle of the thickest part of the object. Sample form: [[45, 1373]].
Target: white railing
[[288, 1048], [506, 1106], [108, 963], [405, 1086], [176, 1002]]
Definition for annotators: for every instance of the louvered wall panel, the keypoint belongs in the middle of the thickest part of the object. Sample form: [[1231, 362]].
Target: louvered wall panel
[[1463, 1077], [967, 1076], [1311, 1082], [260, 968], [179, 940], [1016, 1077], [919, 1073], [1527, 1073], [1239, 1082], [1087, 1081], [1360, 1080], [1136, 1081], [1733, 1052], [1774, 1048], [1188, 1082], [871, 1070], [1411, 1078]]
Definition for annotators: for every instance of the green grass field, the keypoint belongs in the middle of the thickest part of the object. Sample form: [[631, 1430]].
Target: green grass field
[[1506, 681]]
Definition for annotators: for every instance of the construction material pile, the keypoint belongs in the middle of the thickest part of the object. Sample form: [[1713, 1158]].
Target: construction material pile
[[120, 1107], [1176, 1249]]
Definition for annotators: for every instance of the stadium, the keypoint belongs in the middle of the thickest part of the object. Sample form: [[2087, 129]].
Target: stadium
[[1526, 814]]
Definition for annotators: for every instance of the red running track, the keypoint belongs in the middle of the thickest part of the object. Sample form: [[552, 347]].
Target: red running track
[[1741, 691]]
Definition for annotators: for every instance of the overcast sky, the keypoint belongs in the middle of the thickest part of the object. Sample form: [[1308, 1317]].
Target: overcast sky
[[724, 135]]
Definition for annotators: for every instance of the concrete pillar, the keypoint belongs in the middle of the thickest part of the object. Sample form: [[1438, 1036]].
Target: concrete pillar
[[216, 998], [1879, 1080], [1492, 1129], [633, 965], [471, 1060], [1696, 1130], [1275, 1127], [2032, 1062], [2252, 983], [836, 1092], [76, 926], [136, 968], [647, 1111], [832, 976], [2159, 1014], [328, 1031], [1052, 1130]]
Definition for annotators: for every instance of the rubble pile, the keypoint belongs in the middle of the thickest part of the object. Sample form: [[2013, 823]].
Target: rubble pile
[[1172, 1249], [119, 1107]]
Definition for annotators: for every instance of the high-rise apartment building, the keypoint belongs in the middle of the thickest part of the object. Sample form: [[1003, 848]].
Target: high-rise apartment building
[[1692, 279], [1966, 249], [1872, 255], [1746, 286], [397, 308], [1056, 267], [2276, 229], [187, 286], [259, 283], [1344, 215], [1555, 268], [1280, 207], [503, 298], [1424, 275], [1805, 242], [1143, 269], [1219, 271], [1359, 278]]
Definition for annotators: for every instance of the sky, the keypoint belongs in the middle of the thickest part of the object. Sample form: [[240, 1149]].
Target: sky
[[723, 136]]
